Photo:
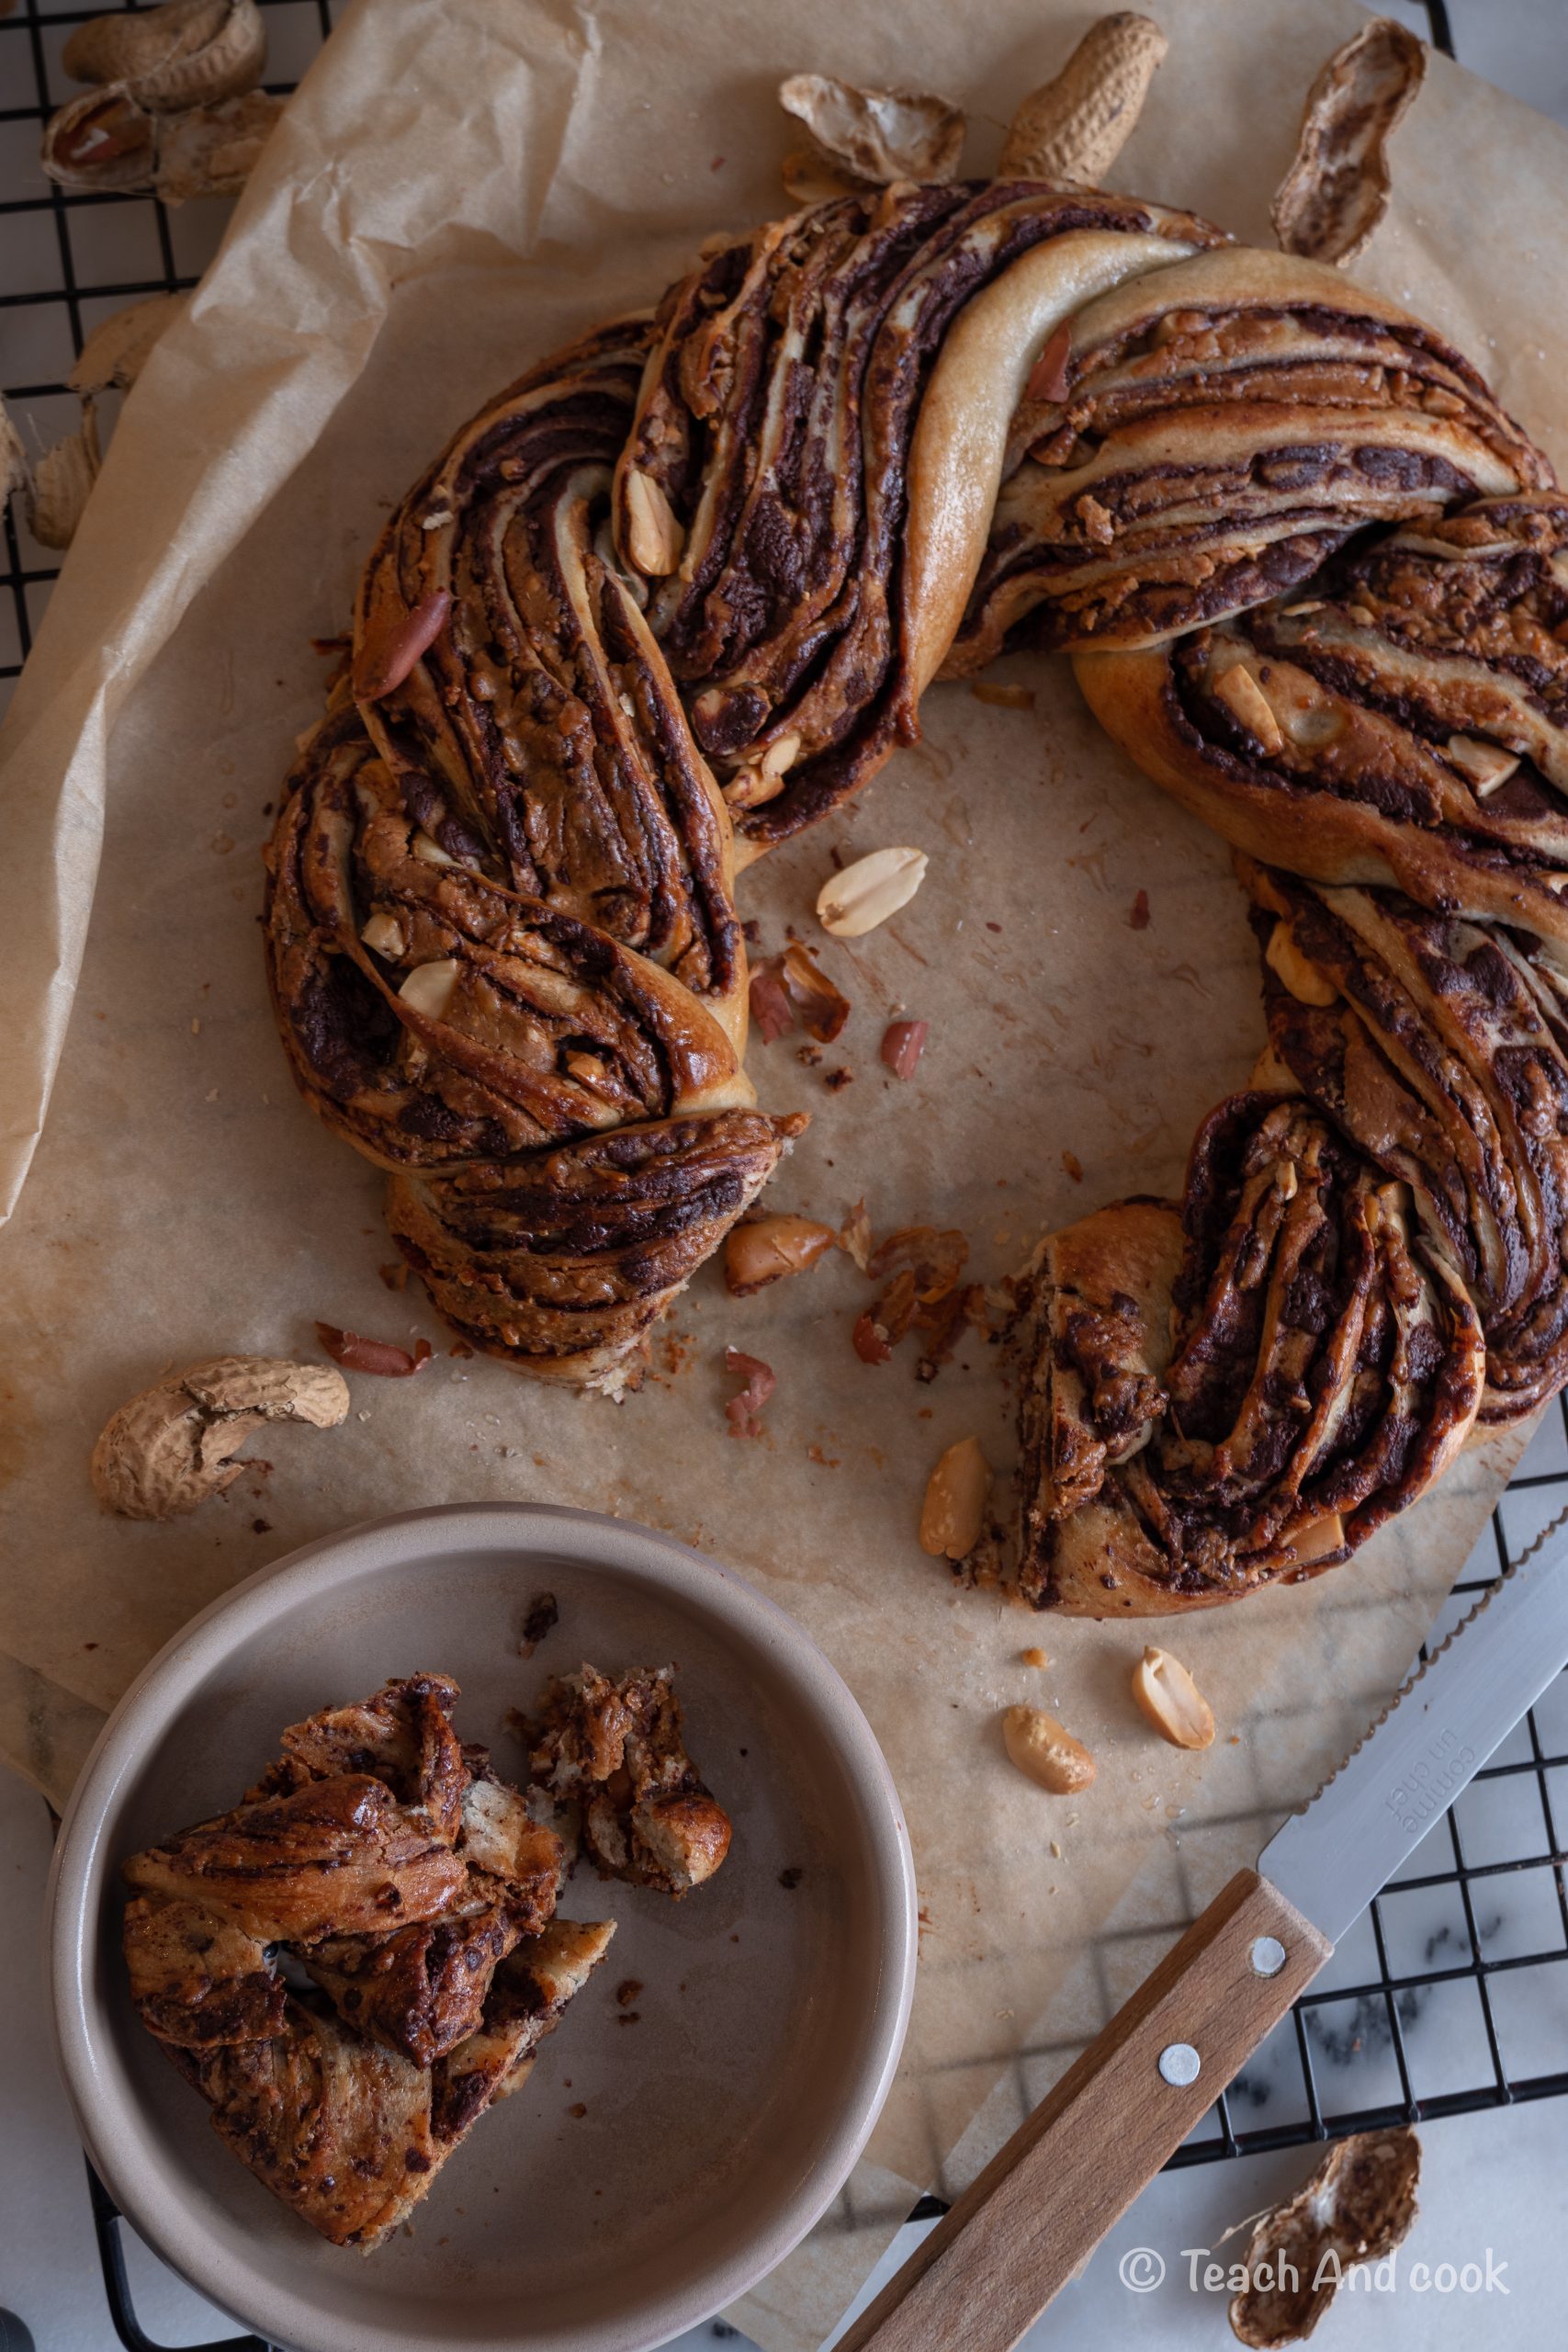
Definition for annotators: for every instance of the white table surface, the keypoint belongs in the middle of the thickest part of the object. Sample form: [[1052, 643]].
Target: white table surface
[[1494, 2185]]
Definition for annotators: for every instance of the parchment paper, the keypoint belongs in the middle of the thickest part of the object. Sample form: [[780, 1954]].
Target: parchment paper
[[459, 185]]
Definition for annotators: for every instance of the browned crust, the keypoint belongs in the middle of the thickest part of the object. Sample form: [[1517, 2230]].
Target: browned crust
[[1213, 432], [960, 446], [1133, 1245], [560, 1264], [789, 483], [409, 1882], [1239, 1394], [1327, 839]]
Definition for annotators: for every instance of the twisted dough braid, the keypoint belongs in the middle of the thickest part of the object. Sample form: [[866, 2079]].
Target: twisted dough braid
[[501, 920], [1217, 430], [1243, 1389], [773, 431], [1440, 1046], [1402, 722], [677, 593], [538, 734], [411, 1887], [561, 1261]]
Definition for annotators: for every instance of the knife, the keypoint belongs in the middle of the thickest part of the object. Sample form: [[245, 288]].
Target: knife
[[1044, 2201]]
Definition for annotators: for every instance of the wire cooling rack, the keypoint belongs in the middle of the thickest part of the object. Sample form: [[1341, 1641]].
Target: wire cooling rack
[[1452, 1995], [67, 261]]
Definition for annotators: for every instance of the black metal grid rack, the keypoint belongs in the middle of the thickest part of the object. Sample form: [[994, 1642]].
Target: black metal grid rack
[[31, 88], [1383, 2002], [1381, 1998]]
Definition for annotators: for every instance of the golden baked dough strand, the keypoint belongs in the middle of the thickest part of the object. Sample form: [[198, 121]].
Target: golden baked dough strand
[[560, 1262], [772, 447], [1220, 428], [1400, 721], [1441, 1047], [1238, 1390], [539, 732]]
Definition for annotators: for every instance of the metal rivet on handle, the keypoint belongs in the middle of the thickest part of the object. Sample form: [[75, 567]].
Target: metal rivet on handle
[[1268, 1956], [1180, 2063]]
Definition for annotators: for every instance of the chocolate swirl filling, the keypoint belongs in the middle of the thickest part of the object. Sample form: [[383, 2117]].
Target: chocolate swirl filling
[[1402, 723], [577, 1119], [395, 1872], [773, 432], [539, 733], [1239, 1390], [563, 1260], [434, 1015], [1440, 1046], [1220, 428]]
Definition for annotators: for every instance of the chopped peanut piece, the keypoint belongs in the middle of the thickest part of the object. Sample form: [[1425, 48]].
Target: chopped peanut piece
[[1245, 700], [654, 537], [1487, 766], [955, 1508], [1303, 980], [1172, 1701], [1049, 1756], [768, 1247]]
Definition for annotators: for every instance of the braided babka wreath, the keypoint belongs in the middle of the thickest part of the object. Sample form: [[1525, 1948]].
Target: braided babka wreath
[[677, 593]]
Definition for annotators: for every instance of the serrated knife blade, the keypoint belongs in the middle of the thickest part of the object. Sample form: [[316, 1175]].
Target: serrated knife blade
[[1368, 1818]]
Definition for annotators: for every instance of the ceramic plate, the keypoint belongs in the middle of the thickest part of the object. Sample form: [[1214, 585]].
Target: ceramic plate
[[772, 2001]]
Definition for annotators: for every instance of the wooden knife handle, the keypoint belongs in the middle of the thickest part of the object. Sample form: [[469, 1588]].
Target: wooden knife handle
[[1044, 2201]]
